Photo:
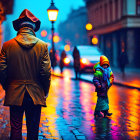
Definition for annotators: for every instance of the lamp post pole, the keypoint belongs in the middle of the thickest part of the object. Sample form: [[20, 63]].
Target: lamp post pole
[[53, 47], [52, 13]]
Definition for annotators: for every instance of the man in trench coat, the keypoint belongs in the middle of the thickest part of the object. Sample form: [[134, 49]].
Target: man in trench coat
[[25, 72]]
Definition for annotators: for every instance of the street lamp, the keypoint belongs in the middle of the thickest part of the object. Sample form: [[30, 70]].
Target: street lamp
[[52, 14], [89, 26]]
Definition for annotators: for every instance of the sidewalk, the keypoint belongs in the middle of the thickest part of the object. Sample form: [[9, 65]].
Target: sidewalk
[[131, 79]]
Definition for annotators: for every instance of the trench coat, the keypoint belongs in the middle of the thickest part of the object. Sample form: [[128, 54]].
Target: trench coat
[[25, 66], [63, 56], [76, 57]]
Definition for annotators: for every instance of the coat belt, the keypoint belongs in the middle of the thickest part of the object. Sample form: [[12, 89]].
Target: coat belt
[[12, 82]]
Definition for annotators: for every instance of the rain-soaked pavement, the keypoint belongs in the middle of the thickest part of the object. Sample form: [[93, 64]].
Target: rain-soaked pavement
[[69, 114]]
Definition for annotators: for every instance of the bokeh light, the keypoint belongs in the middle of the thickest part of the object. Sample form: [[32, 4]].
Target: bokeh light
[[66, 60], [43, 33], [67, 47], [95, 40], [84, 61], [56, 38], [89, 26]]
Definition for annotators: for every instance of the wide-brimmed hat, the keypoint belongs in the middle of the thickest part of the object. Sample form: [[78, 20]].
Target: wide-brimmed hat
[[26, 15]]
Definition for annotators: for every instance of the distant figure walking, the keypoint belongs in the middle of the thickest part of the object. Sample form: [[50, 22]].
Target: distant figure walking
[[25, 72], [63, 56], [76, 57], [123, 62], [52, 58]]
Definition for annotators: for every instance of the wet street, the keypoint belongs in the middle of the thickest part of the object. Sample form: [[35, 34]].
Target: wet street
[[70, 109]]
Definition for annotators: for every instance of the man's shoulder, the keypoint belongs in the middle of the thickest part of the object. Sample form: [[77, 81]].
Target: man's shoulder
[[42, 42], [9, 42]]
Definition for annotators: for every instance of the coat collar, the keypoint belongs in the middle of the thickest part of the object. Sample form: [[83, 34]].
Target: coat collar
[[26, 30], [26, 37]]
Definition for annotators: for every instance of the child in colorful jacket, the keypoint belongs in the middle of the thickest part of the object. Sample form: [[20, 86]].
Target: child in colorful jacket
[[103, 79]]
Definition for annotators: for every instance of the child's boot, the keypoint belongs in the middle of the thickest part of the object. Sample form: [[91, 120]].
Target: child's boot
[[106, 113], [97, 113]]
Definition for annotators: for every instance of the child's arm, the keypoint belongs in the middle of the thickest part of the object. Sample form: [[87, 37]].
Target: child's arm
[[111, 79], [96, 78]]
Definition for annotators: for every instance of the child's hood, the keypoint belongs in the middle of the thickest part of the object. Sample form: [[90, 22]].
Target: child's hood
[[104, 60]]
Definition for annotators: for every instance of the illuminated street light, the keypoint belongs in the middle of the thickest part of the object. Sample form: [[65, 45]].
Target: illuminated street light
[[52, 14], [56, 38], [89, 26], [94, 40]]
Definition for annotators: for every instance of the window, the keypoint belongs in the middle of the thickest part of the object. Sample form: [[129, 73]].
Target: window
[[122, 8], [138, 7], [101, 15], [105, 14], [111, 11], [116, 9], [96, 17]]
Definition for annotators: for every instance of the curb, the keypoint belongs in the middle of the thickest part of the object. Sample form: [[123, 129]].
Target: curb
[[128, 86], [115, 83], [1, 100]]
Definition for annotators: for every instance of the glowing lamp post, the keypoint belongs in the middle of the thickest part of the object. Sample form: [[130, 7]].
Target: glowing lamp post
[[52, 14]]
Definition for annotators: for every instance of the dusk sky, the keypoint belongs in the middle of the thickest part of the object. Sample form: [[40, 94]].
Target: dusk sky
[[39, 9]]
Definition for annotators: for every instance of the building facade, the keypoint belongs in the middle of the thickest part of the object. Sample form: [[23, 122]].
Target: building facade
[[72, 30], [117, 25], [6, 7]]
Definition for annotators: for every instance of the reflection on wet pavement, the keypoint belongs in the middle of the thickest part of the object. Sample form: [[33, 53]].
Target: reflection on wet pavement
[[71, 107]]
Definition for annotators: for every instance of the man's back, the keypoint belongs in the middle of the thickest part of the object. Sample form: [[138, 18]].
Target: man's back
[[24, 53], [24, 56]]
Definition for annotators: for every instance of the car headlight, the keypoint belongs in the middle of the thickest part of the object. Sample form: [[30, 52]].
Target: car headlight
[[84, 61], [66, 60]]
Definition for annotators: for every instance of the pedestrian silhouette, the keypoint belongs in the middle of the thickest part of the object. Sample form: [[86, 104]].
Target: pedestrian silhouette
[[25, 71], [76, 57], [63, 56], [123, 62], [53, 58]]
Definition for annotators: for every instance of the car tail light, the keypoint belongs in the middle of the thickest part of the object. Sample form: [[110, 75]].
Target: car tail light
[[84, 61], [66, 60]]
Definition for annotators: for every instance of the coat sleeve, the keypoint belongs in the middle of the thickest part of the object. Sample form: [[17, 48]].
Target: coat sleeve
[[45, 71], [96, 78], [3, 68], [111, 79]]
